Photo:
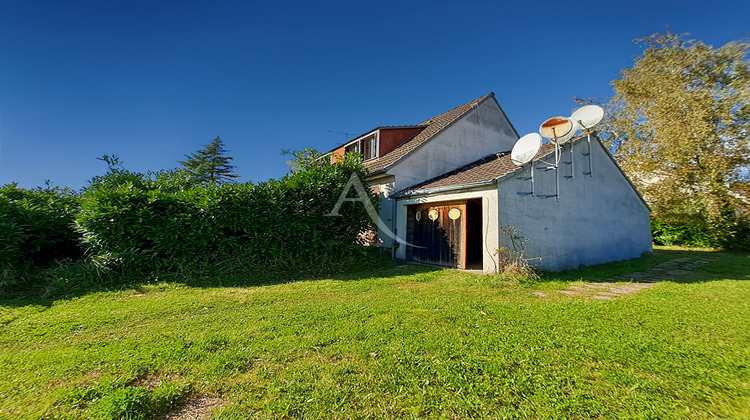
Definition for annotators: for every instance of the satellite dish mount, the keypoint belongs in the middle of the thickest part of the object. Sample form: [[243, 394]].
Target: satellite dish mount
[[524, 151], [587, 117]]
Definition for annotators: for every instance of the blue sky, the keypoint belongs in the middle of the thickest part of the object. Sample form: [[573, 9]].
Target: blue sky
[[151, 81]]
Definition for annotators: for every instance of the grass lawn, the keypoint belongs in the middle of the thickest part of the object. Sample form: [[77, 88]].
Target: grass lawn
[[397, 342]]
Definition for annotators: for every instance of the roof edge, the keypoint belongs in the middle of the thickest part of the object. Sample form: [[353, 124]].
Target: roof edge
[[447, 188], [455, 120], [384, 127]]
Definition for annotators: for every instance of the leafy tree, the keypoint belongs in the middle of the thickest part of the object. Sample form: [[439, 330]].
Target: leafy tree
[[210, 165], [304, 159], [679, 124]]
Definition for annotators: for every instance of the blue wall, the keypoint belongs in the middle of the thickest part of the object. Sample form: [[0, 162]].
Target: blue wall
[[597, 219]]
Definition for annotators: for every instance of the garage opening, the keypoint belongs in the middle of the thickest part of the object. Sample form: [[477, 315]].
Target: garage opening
[[446, 233], [474, 234]]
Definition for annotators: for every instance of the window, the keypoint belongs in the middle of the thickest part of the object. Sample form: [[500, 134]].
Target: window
[[367, 147], [354, 147]]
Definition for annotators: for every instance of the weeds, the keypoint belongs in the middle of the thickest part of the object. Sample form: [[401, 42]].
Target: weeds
[[512, 260]]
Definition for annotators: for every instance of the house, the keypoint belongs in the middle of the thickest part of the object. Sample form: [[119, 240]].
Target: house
[[452, 196]]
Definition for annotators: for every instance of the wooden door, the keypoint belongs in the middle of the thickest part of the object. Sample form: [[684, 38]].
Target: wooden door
[[438, 233]]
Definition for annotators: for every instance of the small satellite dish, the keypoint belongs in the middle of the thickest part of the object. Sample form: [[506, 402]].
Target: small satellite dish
[[556, 128], [588, 116], [526, 149]]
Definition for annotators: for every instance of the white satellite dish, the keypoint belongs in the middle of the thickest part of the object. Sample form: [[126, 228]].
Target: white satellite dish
[[526, 149], [556, 128], [588, 116]]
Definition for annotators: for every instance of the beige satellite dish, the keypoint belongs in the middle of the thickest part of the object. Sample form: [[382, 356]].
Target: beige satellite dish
[[570, 134], [556, 128]]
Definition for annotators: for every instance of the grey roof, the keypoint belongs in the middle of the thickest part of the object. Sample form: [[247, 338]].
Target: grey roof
[[432, 126], [486, 169], [493, 167]]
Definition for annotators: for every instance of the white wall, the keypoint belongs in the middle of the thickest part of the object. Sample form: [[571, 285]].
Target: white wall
[[597, 219], [482, 131], [386, 187], [489, 221]]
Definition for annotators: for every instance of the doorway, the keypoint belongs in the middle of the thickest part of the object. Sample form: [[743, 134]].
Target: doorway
[[446, 233]]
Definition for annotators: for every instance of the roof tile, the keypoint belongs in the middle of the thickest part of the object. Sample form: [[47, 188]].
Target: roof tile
[[433, 126], [483, 170]]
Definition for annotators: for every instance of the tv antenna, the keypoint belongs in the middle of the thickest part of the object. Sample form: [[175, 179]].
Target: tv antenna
[[524, 151], [587, 117], [342, 132]]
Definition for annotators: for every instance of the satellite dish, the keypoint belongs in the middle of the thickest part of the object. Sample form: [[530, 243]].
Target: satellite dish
[[526, 149], [556, 128], [571, 133], [588, 116]]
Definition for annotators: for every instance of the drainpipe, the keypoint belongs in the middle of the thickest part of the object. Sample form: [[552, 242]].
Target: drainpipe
[[393, 225]]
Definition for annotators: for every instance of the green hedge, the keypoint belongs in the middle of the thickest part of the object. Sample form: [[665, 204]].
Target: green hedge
[[736, 237], [159, 222], [682, 234], [36, 226]]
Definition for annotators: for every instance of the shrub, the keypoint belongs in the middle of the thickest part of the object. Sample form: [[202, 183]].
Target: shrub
[[682, 234], [739, 236], [155, 222], [37, 225], [735, 236]]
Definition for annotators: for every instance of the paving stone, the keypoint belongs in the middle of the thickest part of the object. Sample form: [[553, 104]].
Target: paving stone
[[630, 289], [637, 281], [598, 285]]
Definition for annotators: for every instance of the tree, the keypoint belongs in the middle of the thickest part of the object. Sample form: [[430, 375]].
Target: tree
[[304, 159], [210, 165], [679, 125]]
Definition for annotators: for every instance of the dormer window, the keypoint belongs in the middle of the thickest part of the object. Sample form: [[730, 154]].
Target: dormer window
[[367, 147]]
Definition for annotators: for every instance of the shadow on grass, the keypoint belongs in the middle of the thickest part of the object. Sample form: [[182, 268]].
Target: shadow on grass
[[723, 265], [68, 285]]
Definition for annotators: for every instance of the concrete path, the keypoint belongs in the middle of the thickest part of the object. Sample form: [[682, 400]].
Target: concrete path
[[636, 282]]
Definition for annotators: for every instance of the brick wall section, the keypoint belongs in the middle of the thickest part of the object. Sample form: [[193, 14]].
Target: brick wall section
[[391, 138], [337, 154]]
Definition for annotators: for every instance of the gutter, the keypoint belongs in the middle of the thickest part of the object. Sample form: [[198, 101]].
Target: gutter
[[448, 188]]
